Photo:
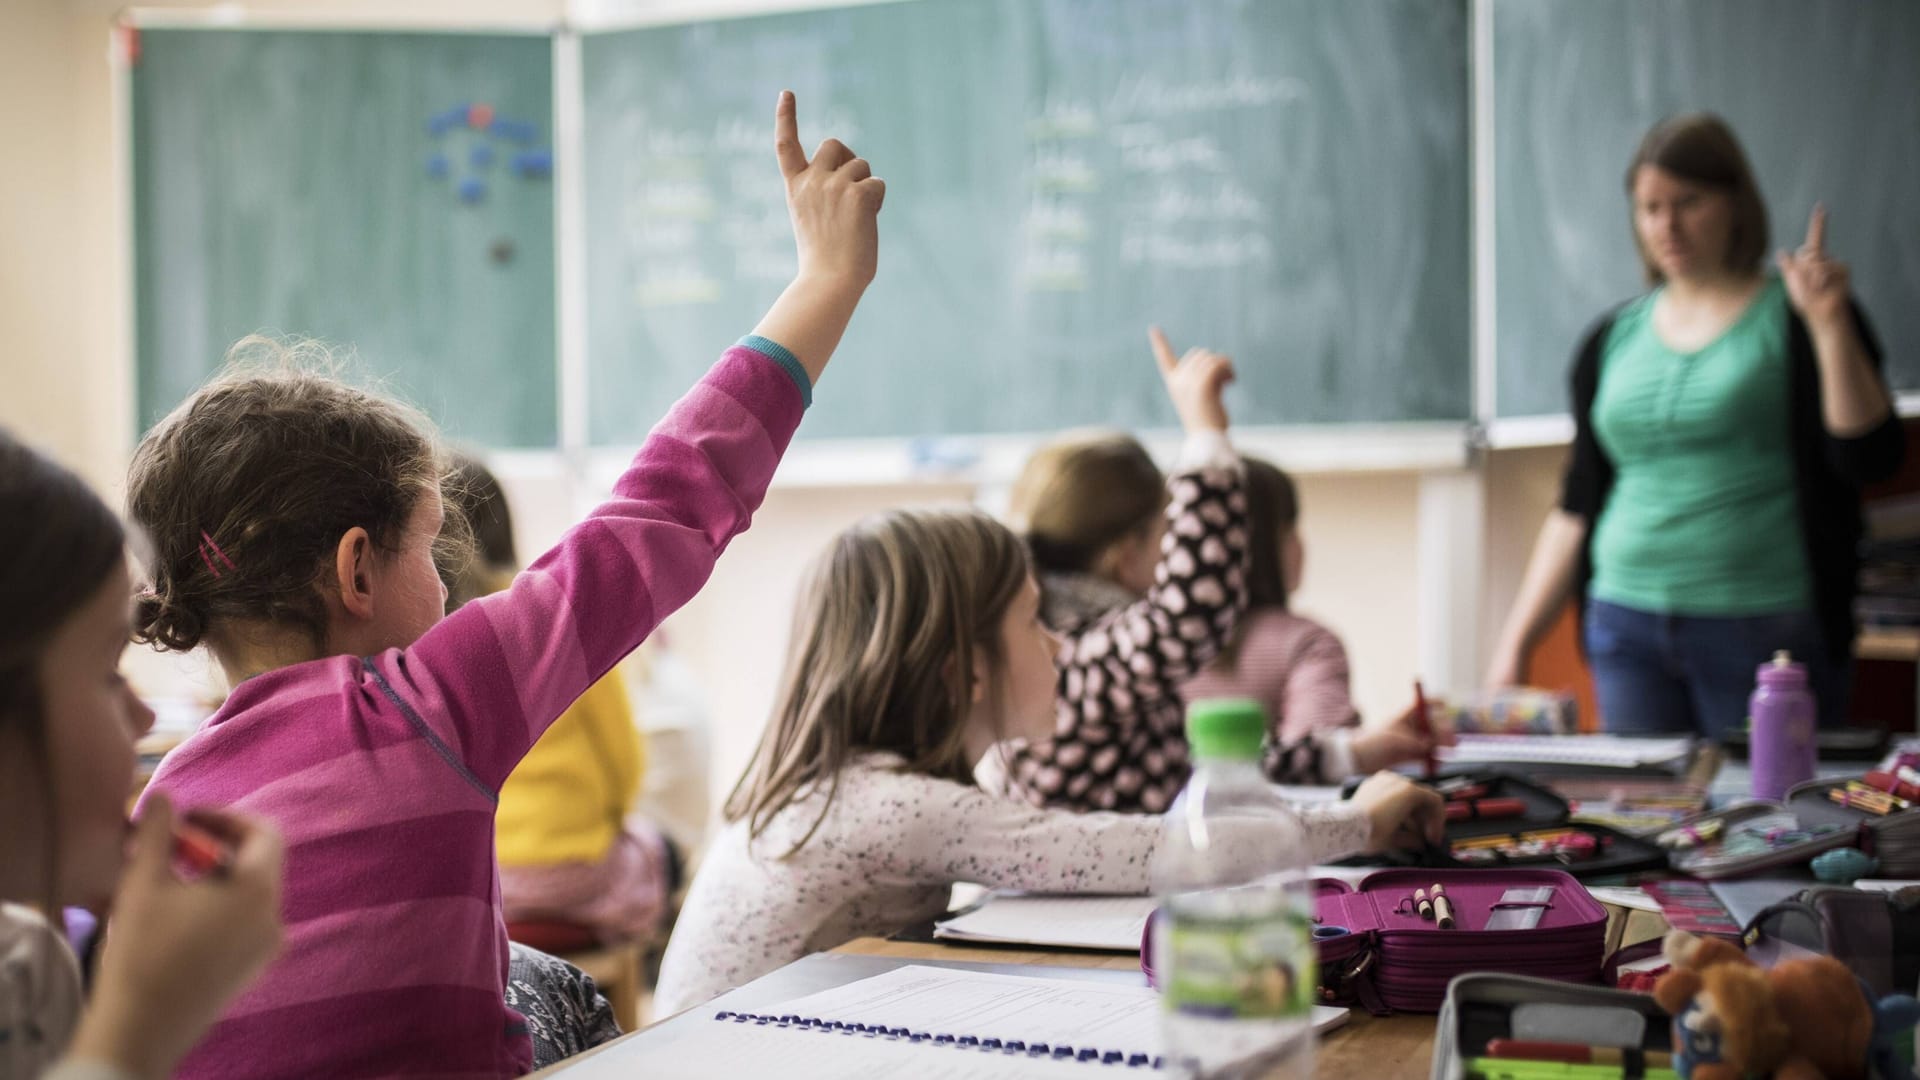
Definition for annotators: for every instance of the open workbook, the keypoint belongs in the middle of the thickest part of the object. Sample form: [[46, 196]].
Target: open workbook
[[928, 1022], [1105, 923], [1109, 923]]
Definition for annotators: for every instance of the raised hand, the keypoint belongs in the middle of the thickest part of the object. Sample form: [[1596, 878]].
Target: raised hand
[[1403, 738], [1817, 285], [833, 201], [1195, 382]]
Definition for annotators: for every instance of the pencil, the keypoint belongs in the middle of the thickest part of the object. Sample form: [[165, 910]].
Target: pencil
[[1426, 724]]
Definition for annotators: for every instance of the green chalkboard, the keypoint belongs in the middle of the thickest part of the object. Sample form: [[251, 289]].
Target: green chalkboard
[[286, 181], [1285, 180], [1825, 95]]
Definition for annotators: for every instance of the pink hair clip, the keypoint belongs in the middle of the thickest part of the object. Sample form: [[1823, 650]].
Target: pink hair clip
[[206, 545]]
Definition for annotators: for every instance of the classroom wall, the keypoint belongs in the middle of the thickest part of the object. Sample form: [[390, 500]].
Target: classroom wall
[[40, 228], [68, 387]]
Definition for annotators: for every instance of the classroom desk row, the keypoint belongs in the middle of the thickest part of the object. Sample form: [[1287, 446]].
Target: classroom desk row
[[1398, 1047]]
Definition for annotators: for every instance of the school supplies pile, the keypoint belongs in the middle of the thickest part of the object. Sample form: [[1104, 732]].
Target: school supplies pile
[[1496, 819], [1633, 805], [1565, 846], [1506, 1027], [1517, 711], [1692, 906], [1884, 805], [1751, 837], [1471, 800]]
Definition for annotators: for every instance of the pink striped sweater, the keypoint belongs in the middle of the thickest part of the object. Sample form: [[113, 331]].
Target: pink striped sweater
[[383, 771]]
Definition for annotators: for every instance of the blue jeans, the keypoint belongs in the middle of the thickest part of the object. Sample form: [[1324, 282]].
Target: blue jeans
[[1676, 674]]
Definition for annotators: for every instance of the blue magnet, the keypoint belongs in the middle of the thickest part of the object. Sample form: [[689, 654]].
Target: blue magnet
[[519, 131], [447, 121], [533, 163], [437, 166], [472, 189]]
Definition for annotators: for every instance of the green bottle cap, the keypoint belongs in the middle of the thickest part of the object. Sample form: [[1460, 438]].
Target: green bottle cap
[[1229, 728]]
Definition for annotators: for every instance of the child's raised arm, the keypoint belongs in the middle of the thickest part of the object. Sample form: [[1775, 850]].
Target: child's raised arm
[[489, 679]]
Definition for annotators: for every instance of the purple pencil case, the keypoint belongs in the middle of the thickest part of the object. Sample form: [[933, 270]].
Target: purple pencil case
[[1376, 951], [1412, 960]]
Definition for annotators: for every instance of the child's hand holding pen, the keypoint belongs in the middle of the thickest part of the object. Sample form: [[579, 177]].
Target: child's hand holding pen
[[180, 945]]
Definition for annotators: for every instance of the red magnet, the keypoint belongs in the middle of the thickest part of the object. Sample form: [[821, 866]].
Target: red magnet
[[479, 117]]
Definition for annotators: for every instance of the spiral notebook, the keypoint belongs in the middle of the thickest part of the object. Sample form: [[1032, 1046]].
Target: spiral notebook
[[983, 1016]]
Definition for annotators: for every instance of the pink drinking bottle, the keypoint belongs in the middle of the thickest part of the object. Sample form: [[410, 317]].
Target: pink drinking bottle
[[1781, 715]]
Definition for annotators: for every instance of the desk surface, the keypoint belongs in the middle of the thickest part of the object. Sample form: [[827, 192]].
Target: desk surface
[[1368, 1047]]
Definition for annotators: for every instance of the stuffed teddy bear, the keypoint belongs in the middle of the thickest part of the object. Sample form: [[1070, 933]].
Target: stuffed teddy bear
[[1809, 1018], [1726, 1025]]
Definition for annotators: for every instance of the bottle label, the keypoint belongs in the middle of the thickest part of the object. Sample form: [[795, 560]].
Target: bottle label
[[1241, 968]]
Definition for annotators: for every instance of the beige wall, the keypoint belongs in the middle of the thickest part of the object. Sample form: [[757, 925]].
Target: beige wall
[[1522, 485], [50, 361], [67, 386]]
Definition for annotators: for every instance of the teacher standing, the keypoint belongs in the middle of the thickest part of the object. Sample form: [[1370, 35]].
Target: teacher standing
[[1724, 424]]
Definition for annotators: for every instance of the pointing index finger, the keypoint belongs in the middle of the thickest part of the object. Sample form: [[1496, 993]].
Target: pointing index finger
[[786, 136], [1162, 350], [1817, 230]]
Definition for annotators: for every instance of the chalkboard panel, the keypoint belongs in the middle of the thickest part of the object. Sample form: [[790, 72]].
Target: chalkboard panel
[[1825, 95], [312, 184], [1284, 180]]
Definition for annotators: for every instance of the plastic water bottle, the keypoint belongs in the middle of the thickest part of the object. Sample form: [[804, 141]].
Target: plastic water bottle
[[1782, 715], [1233, 948]]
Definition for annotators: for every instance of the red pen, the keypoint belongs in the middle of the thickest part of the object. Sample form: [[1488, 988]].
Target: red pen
[[1576, 1053], [1426, 723], [200, 851], [1485, 809]]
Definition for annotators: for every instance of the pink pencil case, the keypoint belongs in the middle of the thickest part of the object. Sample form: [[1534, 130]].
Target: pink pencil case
[[1375, 950]]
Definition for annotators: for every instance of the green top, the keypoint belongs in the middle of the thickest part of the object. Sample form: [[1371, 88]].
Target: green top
[[1703, 518], [1226, 728]]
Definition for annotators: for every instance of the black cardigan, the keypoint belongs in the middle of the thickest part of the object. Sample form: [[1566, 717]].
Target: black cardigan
[[1828, 473]]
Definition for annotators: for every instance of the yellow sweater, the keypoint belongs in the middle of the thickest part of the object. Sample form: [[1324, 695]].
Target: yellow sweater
[[566, 800]]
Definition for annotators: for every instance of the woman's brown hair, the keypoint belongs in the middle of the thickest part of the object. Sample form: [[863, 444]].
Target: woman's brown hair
[[246, 489], [890, 620], [58, 544], [1082, 493], [1701, 149]]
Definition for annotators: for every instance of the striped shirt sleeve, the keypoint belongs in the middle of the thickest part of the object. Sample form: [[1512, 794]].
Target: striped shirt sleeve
[[491, 677]]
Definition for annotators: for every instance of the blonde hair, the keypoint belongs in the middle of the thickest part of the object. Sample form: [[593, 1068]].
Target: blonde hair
[[1082, 493], [890, 620]]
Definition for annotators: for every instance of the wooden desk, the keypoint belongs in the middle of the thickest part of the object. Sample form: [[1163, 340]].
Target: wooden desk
[[1367, 1048]]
